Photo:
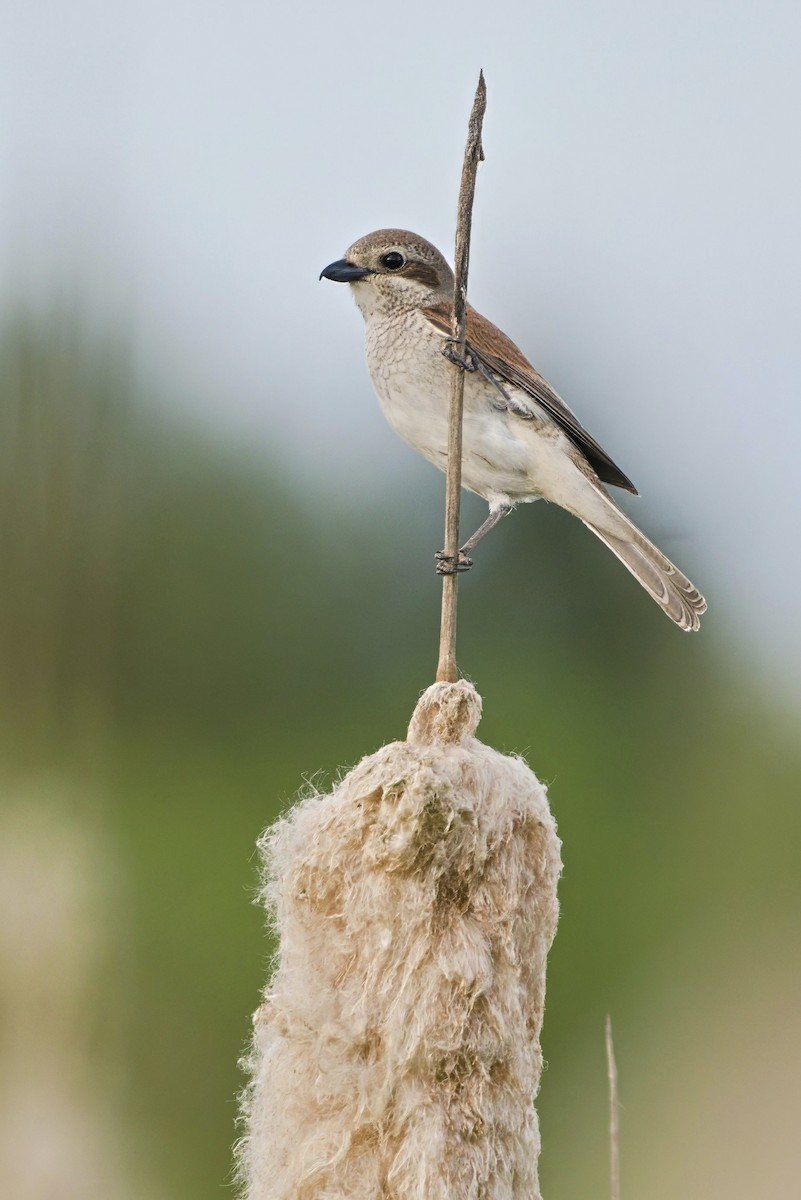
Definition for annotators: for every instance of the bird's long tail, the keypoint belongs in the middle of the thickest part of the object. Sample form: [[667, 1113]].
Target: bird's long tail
[[672, 591]]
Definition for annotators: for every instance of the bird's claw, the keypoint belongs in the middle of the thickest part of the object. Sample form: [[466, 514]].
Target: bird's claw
[[466, 362], [447, 566]]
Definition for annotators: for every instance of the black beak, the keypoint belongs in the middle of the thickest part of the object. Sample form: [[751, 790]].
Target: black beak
[[342, 271]]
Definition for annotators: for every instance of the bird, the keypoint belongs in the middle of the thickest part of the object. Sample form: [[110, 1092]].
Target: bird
[[520, 441]]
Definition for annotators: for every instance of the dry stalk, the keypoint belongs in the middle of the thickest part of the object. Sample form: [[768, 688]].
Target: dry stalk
[[447, 670], [614, 1113]]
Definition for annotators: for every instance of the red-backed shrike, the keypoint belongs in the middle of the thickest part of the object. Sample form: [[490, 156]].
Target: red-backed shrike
[[520, 440]]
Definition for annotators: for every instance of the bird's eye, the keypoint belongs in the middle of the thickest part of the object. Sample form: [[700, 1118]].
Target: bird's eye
[[392, 261]]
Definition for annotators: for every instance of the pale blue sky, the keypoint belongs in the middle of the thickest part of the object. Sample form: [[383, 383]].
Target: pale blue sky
[[637, 229]]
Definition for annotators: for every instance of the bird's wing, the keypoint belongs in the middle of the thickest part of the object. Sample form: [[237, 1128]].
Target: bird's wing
[[498, 354]]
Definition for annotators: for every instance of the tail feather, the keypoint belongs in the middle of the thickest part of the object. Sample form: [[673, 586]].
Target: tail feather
[[672, 591]]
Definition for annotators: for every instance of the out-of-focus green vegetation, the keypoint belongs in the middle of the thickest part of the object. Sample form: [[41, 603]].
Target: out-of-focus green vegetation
[[186, 633]]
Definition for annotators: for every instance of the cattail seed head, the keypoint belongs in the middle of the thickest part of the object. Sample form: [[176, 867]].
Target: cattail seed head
[[396, 1053]]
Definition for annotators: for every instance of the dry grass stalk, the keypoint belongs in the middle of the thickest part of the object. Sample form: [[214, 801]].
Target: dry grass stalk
[[447, 669], [396, 1054], [614, 1113]]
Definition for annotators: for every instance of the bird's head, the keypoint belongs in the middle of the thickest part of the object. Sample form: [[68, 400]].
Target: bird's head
[[393, 270]]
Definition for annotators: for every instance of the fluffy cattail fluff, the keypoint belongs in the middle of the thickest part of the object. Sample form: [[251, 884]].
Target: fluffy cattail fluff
[[396, 1054]]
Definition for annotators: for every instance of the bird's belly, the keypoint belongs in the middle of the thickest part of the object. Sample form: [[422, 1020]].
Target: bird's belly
[[501, 454]]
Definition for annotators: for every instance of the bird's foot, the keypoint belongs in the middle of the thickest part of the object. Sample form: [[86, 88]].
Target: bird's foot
[[466, 362], [447, 566]]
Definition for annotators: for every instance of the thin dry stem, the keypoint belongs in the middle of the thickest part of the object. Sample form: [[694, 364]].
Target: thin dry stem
[[614, 1121], [447, 671]]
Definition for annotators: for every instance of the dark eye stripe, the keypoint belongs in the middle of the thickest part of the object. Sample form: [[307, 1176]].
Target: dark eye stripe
[[422, 273]]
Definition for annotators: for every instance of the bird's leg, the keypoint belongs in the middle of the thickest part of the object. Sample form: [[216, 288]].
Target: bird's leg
[[466, 363], [445, 563], [496, 513]]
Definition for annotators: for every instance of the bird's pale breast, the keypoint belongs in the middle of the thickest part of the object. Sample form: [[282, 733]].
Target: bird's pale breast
[[503, 455]]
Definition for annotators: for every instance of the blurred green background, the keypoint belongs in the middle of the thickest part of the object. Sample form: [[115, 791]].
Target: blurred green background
[[188, 632]]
